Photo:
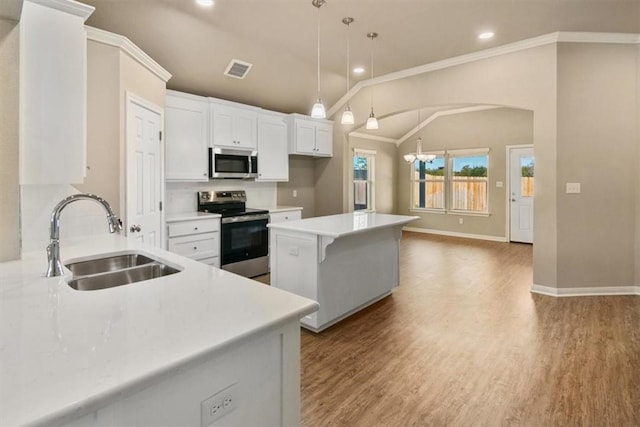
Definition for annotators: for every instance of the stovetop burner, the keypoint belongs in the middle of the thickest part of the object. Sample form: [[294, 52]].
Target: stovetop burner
[[226, 203]]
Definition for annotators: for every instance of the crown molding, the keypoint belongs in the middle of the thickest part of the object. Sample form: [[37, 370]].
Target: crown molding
[[116, 40], [444, 113], [69, 6], [564, 37], [373, 137]]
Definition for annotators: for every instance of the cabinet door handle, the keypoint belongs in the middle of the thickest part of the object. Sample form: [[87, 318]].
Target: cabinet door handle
[[195, 228], [195, 248]]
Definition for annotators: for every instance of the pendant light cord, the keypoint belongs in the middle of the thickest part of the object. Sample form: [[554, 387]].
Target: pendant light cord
[[348, 55], [319, 50]]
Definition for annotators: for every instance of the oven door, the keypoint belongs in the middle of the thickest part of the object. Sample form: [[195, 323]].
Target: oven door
[[244, 237]]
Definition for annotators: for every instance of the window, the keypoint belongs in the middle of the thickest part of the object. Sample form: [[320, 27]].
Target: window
[[469, 182], [456, 180], [363, 179], [428, 186], [526, 176]]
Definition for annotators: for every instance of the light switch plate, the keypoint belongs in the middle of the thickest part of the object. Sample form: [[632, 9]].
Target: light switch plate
[[573, 188], [499, 184]]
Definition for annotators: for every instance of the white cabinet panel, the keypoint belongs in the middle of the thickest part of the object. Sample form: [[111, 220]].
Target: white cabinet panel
[[186, 137], [233, 127], [273, 153], [311, 137], [53, 92]]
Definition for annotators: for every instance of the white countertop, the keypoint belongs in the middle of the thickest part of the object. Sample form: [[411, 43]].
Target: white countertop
[[190, 216], [343, 224], [64, 353]]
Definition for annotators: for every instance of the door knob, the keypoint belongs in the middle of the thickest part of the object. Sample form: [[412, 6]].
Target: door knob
[[134, 228], [513, 200]]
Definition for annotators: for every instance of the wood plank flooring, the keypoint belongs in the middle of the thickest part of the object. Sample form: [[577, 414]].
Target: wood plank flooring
[[462, 342]]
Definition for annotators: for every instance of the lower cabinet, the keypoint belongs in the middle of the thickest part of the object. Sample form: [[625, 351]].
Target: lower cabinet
[[197, 239]]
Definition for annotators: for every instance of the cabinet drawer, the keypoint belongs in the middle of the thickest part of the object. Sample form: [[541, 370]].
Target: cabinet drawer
[[184, 228], [285, 216], [198, 246]]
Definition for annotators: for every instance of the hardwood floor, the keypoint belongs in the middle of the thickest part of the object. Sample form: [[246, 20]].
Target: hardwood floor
[[462, 342]]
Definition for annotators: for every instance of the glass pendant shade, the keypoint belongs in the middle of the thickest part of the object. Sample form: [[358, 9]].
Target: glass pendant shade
[[347, 116], [318, 111], [409, 158], [372, 122]]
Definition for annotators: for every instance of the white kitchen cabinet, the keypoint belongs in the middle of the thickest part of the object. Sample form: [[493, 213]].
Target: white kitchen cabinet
[[53, 92], [186, 137], [233, 125], [197, 239], [273, 153], [310, 137]]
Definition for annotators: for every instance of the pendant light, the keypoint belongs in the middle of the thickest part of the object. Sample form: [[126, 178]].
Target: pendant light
[[347, 114], [318, 110], [372, 122], [419, 155]]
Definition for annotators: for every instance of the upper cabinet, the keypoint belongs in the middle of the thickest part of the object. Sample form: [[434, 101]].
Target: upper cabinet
[[186, 137], [273, 153], [311, 137], [53, 92], [233, 125]]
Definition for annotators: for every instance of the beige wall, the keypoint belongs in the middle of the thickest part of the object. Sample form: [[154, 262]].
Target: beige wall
[[525, 80], [302, 180], [385, 170], [638, 169], [493, 129], [9, 140], [597, 147], [112, 73], [103, 152]]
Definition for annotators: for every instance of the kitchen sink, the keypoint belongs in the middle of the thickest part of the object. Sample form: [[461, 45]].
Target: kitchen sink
[[110, 263], [116, 270]]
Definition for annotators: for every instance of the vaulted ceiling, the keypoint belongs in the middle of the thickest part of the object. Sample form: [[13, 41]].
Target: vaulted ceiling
[[278, 37]]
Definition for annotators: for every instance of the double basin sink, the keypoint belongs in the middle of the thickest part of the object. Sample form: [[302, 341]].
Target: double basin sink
[[112, 270]]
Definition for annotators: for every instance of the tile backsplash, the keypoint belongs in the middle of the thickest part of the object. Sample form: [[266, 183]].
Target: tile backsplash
[[181, 196]]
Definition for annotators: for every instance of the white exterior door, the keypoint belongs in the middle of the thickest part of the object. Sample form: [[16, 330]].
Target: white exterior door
[[144, 173], [521, 185]]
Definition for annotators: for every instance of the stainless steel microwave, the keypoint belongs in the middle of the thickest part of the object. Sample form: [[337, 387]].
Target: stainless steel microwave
[[227, 163]]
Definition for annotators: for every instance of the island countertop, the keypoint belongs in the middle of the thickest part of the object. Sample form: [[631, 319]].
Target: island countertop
[[343, 224], [64, 353]]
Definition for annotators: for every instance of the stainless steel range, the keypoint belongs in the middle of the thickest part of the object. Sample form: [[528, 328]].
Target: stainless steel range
[[245, 237]]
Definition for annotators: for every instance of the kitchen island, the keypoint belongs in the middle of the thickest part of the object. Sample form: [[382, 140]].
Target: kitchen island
[[155, 352], [345, 262]]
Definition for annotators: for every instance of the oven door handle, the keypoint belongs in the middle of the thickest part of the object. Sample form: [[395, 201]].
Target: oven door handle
[[244, 218]]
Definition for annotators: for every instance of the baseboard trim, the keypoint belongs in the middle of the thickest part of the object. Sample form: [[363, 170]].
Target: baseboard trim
[[585, 292], [454, 234]]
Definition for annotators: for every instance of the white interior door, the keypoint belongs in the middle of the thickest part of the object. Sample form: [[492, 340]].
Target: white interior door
[[144, 173], [521, 186]]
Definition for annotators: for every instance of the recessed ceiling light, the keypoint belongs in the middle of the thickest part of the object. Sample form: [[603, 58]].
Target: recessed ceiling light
[[486, 35], [358, 70], [205, 3]]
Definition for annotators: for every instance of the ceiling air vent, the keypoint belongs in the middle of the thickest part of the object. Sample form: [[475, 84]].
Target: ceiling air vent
[[237, 69]]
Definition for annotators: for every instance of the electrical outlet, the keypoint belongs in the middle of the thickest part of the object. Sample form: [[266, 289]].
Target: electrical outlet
[[295, 193], [460, 220], [220, 404]]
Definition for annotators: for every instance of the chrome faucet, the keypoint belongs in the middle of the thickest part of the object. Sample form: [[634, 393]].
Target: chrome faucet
[[53, 249]]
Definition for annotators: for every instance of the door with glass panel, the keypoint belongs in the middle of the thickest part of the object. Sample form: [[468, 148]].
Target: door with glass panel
[[521, 187]]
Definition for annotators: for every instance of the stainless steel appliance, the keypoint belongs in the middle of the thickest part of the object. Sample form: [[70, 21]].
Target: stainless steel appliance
[[244, 242], [227, 163]]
